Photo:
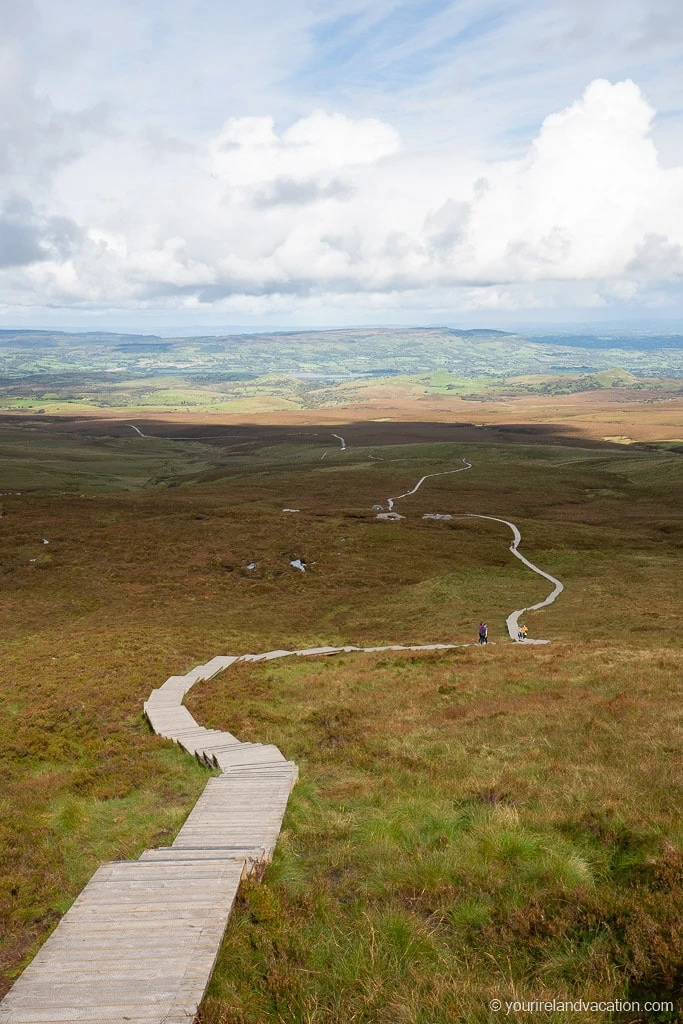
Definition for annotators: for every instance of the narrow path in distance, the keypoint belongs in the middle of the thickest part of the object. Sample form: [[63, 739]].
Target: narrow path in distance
[[512, 621], [427, 476], [213, 437], [167, 437]]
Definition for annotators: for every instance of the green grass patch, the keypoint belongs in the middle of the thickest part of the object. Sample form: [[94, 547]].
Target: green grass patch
[[466, 828]]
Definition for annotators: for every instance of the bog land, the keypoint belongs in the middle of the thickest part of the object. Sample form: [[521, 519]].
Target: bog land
[[478, 824]]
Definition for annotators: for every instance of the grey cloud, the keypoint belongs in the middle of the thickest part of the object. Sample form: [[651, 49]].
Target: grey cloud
[[553, 248], [19, 243], [162, 146], [27, 237], [290, 192], [307, 287], [226, 288], [662, 23], [16, 18], [62, 236], [36, 137], [350, 244], [643, 25], [655, 257], [447, 227]]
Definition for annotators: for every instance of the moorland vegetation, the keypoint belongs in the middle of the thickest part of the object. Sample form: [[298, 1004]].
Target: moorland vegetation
[[469, 825]]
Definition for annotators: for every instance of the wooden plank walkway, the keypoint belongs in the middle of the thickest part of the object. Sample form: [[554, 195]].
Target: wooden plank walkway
[[140, 942], [138, 945]]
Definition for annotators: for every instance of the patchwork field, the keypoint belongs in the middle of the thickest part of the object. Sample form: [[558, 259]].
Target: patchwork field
[[489, 823], [512, 410]]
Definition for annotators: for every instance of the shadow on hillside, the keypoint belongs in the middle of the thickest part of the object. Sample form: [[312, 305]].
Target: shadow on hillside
[[356, 434]]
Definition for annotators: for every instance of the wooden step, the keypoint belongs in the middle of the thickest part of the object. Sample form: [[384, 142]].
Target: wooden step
[[139, 944]]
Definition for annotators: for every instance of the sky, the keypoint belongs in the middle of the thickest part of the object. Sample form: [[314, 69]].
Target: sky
[[196, 163]]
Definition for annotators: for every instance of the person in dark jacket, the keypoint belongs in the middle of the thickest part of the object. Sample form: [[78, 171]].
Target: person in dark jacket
[[483, 633]]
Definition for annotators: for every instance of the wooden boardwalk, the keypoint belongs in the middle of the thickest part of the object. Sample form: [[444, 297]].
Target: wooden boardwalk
[[140, 942]]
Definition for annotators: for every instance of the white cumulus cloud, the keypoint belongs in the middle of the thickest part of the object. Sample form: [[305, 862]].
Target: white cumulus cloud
[[584, 197], [334, 209], [248, 150]]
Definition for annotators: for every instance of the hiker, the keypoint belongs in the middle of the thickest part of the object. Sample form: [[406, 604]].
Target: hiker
[[523, 630], [483, 633]]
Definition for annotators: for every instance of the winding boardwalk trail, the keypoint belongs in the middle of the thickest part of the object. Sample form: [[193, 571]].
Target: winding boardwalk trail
[[427, 476], [136, 429], [512, 621], [140, 942], [212, 437]]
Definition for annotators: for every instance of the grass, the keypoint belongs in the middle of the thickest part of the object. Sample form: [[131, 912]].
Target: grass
[[469, 826], [426, 841], [83, 779], [35, 460]]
